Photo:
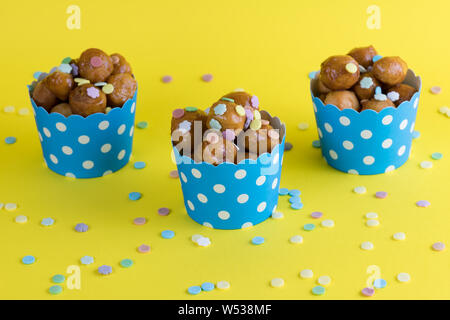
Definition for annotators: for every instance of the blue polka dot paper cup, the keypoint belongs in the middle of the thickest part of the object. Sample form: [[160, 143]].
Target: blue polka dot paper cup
[[232, 196], [89, 147], [367, 142]]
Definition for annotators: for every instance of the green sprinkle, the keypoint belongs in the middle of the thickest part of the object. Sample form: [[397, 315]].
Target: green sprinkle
[[318, 290], [308, 227], [437, 156], [227, 99], [191, 109], [58, 278], [316, 143], [66, 60], [126, 263], [55, 289], [142, 124]]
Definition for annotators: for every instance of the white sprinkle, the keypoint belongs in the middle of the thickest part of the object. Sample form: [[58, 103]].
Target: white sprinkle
[[327, 223], [426, 165], [24, 111], [399, 236], [9, 109], [277, 282], [360, 190], [306, 274], [367, 245], [403, 277], [371, 215], [324, 280], [303, 126], [393, 96], [195, 237], [204, 242], [444, 109], [1, 205], [277, 215], [380, 97], [372, 223], [21, 219], [10, 206], [296, 239], [223, 285]]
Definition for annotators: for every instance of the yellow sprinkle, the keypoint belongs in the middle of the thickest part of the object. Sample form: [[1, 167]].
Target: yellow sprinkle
[[351, 67], [257, 115], [108, 109], [240, 110], [107, 89], [80, 80], [255, 124]]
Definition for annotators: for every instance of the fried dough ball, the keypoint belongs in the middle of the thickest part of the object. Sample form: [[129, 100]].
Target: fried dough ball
[[376, 105], [60, 84], [226, 115], [343, 99], [218, 152], [243, 98], [124, 89], [95, 65], [43, 96], [390, 70], [120, 64], [365, 87], [339, 72], [401, 92], [363, 55], [86, 100], [62, 108]]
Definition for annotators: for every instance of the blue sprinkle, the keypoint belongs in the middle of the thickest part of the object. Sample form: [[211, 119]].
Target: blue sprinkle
[[215, 124], [66, 68], [416, 134], [295, 199], [379, 283], [194, 290], [208, 286], [376, 58], [437, 156], [58, 278], [56, 289], [258, 240], [297, 206], [167, 234], [47, 222], [294, 192], [283, 191], [10, 140], [28, 260], [378, 90], [220, 109], [312, 74], [134, 196], [316, 143], [37, 74], [318, 290], [309, 227], [139, 165], [87, 260]]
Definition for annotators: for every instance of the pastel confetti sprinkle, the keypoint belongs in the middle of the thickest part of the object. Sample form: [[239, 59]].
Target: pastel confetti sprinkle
[[174, 174], [372, 223], [100, 84], [297, 206], [185, 126], [66, 68], [240, 110], [426, 165], [318, 290], [437, 156], [288, 146], [367, 245], [351, 67], [93, 92], [360, 190], [24, 111], [96, 62], [423, 203], [104, 270], [309, 227], [277, 215], [316, 144], [134, 196], [81, 227], [56, 289], [178, 113], [9, 109], [416, 134], [295, 192], [296, 239], [255, 124], [10, 206], [21, 219], [215, 124], [399, 236], [143, 248], [312, 74], [203, 242], [10, 140], [126, 263], [227, 99], [283, 191], [28, 260], [66, 60], [166, 79], [380, 97], [379, 283], [435, 90], [140, 165], [316, 215], [108, 88], [376, 58], [194, 290], [87, 260], [381, 194], [403, 277], [378, 90], [191, 109], [303, 126], [37, 74], [142, 125], [258, 240], [372, 215], [295, 200], [167, 234], [277, 283], [444, 110], [58, 278], [254, 101], [47, 222], [223, 285], [324, 280], [366, 82], [207, 77], [368, 292], [220, 109], [306, 274], [438, 246], [163, 211], [139, 221], [327, 223], [208, 286], [393, 96]]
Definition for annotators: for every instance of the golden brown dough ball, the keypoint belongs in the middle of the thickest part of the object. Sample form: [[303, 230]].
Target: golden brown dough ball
[[321, 88], [259, 141], [95, 65], [343, 100], [62, 108], [376, 105], [43, 96], [339, 72], [124, 88], [86, 100], [243, 98], [219, 152], [390, 70], [363, 55], [401, 92], [60, 84], [365, 87], [120, 64]]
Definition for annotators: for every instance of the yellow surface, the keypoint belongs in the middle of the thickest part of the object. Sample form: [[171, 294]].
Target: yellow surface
[[267, 48]]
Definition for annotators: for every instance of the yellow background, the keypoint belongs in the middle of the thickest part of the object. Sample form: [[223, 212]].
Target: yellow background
[[268, 48]]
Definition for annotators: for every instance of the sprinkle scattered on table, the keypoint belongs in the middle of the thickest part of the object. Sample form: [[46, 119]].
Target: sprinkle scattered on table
[[318, 290], [283, 191], [360, 190], [399, 236], [10, 140], [56, 289], [223, 285], [140, 221], [403, 277], [324, 280], [134, 196], [258, 240], [204, 242], [367, 245], [194, 290], [297, 206], [296, 239], [438, 246], [28, 260], [435, 90], [368, 292], [163, 211], [372, 223], [174, 174], [306, 274], [10, 206], [142, 125], [277, 215], [309, 227], [379, 283], [207, 286], [58, 278], [423, 203], [371, 215], [47, 222], [381, 194], [288, 146], [87, 260], [426, 165], [277, 283], [143, 248], [437, 156], [416, 134], [303, 126], [105, 270], [316, 144], [167, 234], [327, 223], [21, 219], [316, 215], [140, 165], [166, 79], [126, 263], [207, 77], [81, 227]]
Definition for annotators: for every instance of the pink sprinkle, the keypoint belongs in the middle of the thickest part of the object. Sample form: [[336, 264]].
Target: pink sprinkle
[[207, 77], [316, 215], [96, 62], [163, 211], [166, 79], [381, 194], [435, 90], [423, 203], [368, 292], [178, 113], [93, 92], [438, 246], [143, 248], [140, 221], [174, 174], [255, 102]]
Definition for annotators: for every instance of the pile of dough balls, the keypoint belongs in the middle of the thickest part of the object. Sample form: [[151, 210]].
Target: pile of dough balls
[[357, 81], [94, 83], [231, 130]]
